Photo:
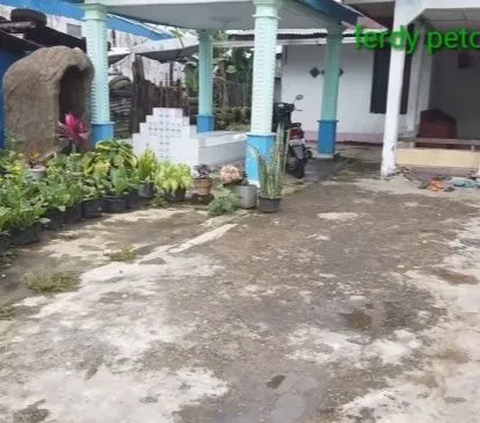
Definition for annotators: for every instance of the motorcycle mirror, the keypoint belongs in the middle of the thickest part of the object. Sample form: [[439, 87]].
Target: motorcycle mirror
[[299, 97]]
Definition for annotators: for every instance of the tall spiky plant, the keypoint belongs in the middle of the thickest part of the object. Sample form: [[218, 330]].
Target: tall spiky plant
[[272, 169]]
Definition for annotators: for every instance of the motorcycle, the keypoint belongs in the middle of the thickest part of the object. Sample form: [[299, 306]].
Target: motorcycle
[[298, 152]]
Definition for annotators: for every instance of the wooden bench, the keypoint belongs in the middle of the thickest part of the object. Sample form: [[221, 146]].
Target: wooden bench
[[449, 143]]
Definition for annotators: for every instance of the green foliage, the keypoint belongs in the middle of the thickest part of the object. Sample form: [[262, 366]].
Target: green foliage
[[110, 154], [64, 185], [21, 194], [5, 217], [126, 253], [172, 177], [225, 202], [272, 169], [158, 201], [51, 283], [120, 183], [55, 193], [147, 166]]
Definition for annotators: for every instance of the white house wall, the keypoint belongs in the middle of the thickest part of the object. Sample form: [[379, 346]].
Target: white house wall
[[154, 71], [457, 91], [356, 123]]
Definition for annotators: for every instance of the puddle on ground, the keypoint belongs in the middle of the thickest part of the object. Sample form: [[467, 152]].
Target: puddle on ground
[[383, 317], [358, 319], [454, 278]]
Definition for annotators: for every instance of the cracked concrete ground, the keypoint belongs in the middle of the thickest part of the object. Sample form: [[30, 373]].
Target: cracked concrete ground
[[358, 303]]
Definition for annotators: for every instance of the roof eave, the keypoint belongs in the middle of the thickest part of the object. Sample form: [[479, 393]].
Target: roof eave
[[334, 10]]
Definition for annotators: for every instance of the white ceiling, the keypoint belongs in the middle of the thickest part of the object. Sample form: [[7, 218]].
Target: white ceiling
[[214, 14], [443, 19]]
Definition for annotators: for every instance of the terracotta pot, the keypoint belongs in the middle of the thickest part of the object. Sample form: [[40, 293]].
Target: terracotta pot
[[203, 186]]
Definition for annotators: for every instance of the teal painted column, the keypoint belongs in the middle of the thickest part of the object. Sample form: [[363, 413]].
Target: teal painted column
[[264, 64], [97, 49], [327, 132], [205, 118]]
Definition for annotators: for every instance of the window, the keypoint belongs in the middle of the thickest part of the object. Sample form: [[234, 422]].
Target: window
[[381, 68], [74, 30]]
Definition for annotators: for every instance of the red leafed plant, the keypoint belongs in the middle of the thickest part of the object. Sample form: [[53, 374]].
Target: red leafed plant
[[74, 132]]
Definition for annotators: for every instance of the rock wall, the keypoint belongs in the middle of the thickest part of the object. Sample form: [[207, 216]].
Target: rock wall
[[40, 89]]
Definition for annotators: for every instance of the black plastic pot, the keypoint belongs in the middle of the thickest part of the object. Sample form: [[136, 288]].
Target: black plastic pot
[[5, 242], [91, 208], [176, 197], [133, 200], [26, 236], [269, 205], [114, 204], [73, 214], [56, 220], [146, 190]]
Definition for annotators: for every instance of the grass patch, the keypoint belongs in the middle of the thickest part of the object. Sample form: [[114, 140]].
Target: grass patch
[[158, 201], [293, 187], [51, 284], [7, 313], [126, 253]]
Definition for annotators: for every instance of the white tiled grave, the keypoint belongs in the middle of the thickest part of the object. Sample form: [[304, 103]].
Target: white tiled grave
[[168, 133]]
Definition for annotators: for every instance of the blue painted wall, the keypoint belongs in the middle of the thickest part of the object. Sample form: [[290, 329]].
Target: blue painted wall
[[72, 11]]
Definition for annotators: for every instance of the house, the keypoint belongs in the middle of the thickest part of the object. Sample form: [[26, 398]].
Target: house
[[447, 79], [302, 63], [123, 34], [265, 17]]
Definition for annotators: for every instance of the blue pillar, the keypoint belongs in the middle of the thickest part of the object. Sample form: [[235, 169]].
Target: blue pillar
[[264, 65], [205, 118], [7, 58], [327, 131], [97, 48]]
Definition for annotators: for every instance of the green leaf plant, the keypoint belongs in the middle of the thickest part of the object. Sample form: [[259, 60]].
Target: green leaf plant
[[173, 177], [272, 168]]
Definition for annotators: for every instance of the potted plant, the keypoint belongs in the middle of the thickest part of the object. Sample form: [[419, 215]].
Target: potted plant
[[202, 181], [56, 196], [92, 199], [5, 239], [173, 180], [73, 133], [21, 194], [119, 185], [74, 206], [26, 222], [237, 181], [147, 166], [132, 195], [272, 174], [112, 153]]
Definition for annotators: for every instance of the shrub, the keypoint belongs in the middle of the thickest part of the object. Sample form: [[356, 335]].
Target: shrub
[[225, 202]]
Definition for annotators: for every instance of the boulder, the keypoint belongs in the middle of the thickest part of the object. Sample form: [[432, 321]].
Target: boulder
[[39, 90]]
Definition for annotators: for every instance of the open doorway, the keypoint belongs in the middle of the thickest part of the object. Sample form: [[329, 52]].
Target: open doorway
[[72, 92]]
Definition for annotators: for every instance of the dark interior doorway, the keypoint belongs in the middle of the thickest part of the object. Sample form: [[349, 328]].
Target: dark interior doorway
[[72, 93]]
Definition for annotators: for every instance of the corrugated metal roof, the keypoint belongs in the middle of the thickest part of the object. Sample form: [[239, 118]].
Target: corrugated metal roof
[[367, 23]]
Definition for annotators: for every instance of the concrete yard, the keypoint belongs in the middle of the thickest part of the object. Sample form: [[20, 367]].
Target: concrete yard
[[358, 303]]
